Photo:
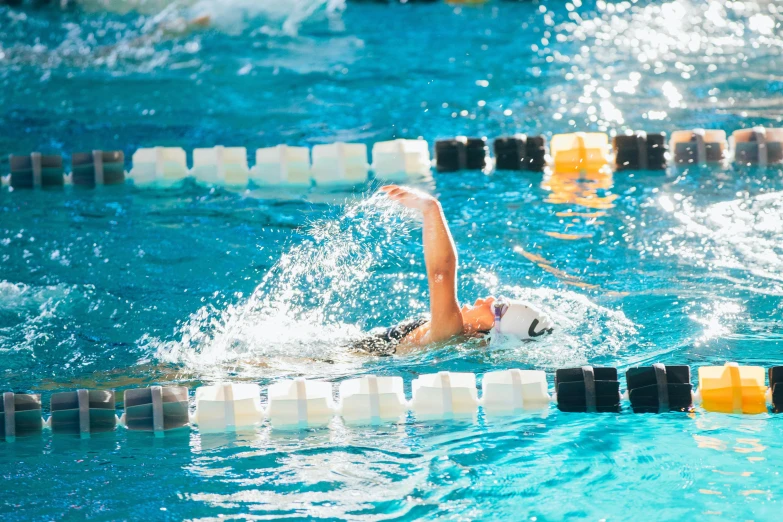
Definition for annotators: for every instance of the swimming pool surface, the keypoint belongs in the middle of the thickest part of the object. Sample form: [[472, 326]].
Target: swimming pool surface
[[125, 287]]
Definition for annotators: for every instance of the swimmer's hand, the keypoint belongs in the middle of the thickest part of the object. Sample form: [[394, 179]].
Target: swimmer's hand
[[411, 198]]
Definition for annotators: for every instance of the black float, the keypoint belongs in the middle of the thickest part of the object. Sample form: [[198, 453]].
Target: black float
[[754, 147], [659, 388], [587, 389], [20, 414], [98, 168], [36, 170], [776, 388], [156, 409], [697, 150], [461, 153], [83, 412], [520, 152], [640, 151]]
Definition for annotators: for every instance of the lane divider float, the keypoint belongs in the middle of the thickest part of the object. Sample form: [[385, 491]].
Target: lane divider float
[[520, 152], [640, 151], [698, 146], [156, 409], [370, 399], [98, 167], [282, 165], [757, 146], [403, 159], [659, 388], [82, 412], [461, 153]]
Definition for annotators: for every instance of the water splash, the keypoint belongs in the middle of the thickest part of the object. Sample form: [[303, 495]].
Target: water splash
[[302, 313], [734, 238], [347, 274], [288, 16], [231, 16], [27, 312], [145, 35], [585, 332]]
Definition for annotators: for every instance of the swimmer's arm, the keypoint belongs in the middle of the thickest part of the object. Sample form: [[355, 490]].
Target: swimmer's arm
[[440, 258]]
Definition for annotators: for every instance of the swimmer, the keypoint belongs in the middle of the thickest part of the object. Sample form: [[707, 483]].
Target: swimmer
[[495, 317], [157, 30]]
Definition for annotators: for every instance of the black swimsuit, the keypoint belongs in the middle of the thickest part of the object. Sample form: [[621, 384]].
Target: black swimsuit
[[384, 341]]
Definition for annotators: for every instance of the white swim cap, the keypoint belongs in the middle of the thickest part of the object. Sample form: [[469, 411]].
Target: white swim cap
[[519, 319]]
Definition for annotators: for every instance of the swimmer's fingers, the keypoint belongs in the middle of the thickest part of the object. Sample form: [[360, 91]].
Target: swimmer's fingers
[[396, 190], [395, 193], [410, 197], [389, 189], [402, 197]]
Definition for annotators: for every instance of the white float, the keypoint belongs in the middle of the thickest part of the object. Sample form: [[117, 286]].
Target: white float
[[227, 407], [159, 165], [372, 399], [221, 165], [398, 160], [444, 394], [300, 403], [282, 165], [514, 390], [340, 163]]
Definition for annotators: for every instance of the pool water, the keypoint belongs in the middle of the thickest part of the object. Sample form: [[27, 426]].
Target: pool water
[[126, 287]]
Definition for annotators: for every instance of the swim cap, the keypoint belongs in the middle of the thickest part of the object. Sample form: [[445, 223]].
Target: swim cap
[[519, 319]]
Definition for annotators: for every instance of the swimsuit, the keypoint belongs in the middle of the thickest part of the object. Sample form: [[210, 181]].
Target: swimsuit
[[384, 341]]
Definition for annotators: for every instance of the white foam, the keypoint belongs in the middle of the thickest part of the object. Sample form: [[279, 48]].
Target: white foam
[[743, 234]]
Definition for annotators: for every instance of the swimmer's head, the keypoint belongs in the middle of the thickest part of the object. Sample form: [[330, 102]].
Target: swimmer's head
[[519, 319], [505, 317]]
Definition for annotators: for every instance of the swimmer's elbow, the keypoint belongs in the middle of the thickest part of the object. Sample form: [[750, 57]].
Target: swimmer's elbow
[[445, 329], [443, 270]]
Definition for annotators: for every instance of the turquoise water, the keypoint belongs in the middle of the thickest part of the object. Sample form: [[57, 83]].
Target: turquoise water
[[125, 287]]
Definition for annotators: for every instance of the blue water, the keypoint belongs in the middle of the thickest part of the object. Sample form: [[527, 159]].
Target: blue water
[[125, 287]]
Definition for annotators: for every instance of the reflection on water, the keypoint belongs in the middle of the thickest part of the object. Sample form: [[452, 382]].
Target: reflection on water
[[587, 199], [546, 265], [590, 190]]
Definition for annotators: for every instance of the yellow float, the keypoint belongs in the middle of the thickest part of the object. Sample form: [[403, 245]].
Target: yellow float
[[733, 388], [580, 152]]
